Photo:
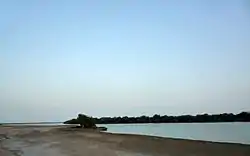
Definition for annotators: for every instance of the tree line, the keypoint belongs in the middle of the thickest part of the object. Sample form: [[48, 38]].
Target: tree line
[[225, 117]]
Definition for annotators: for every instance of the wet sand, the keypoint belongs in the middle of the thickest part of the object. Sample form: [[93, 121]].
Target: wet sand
[[66, 141]]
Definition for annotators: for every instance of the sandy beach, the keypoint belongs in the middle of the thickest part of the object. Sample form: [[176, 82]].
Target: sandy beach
[[66, 141]]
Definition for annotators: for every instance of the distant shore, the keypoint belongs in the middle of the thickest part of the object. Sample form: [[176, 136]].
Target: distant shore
[[65, 141], [199, 118]]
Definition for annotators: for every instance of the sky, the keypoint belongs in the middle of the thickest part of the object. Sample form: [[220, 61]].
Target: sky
[[59, 58]]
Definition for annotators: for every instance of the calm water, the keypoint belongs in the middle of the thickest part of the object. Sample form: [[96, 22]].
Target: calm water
[[219, 132]]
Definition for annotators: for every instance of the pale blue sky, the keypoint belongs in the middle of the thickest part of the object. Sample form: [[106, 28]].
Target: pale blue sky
[[123, 57]]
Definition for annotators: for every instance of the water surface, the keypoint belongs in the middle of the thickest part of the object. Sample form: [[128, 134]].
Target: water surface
[[236, 132]]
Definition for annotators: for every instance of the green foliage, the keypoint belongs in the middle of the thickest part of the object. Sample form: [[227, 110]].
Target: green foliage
[[86, 121], [82, 120], [225, 117], [72, 121], [89, 122]]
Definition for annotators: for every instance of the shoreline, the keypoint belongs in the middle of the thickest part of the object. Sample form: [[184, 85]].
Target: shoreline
[[217, 136], [121, 134], [65, 141], [62, 123], [177, 139]]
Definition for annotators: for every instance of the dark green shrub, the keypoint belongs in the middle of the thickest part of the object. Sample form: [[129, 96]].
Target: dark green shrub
[[83, 120]]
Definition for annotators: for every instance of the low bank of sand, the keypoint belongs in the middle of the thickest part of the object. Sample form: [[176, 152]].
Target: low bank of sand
[[65, 141]]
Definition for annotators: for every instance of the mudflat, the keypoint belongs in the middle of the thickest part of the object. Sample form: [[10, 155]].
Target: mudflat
[[66, 141]]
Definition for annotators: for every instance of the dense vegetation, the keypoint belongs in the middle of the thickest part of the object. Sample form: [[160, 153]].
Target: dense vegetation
[[225, 117], [83, 120]]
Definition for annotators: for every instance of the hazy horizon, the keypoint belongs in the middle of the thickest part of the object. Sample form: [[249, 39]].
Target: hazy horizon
[[123, 58]]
